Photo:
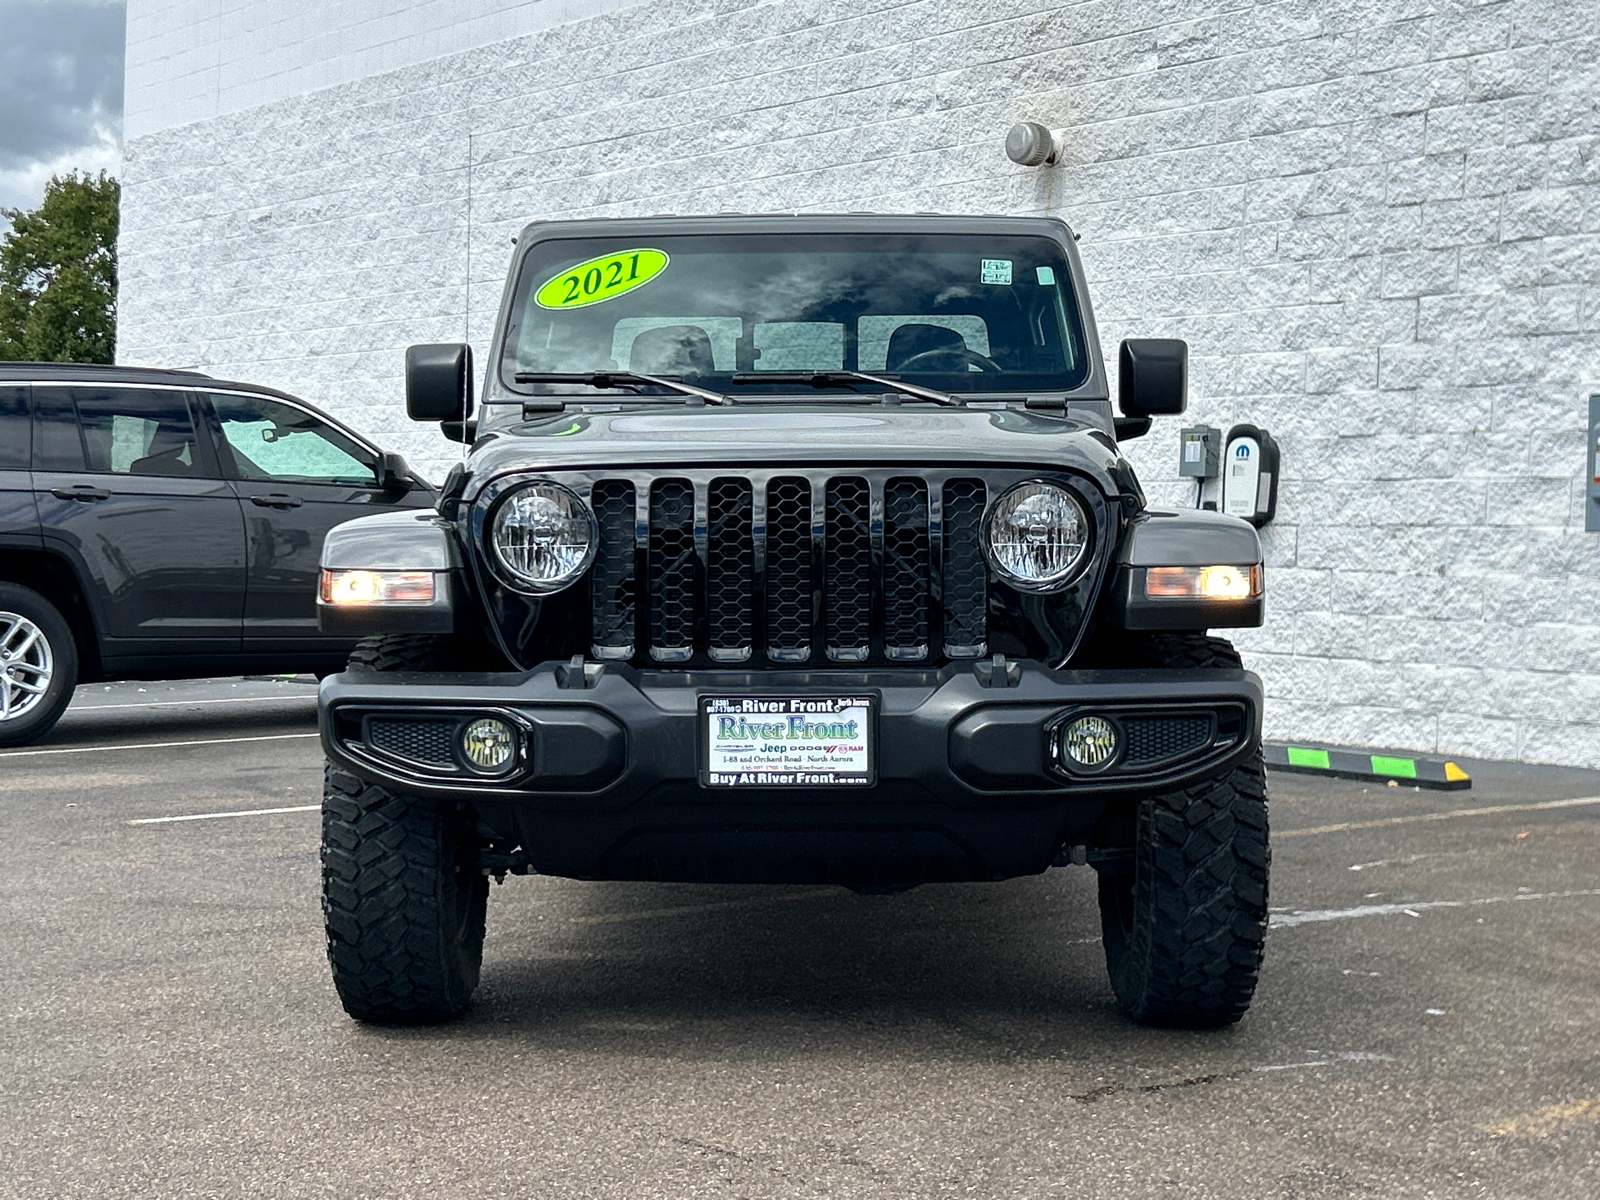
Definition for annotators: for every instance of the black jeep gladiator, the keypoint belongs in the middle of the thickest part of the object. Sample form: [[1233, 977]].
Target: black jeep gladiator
[[801, 550]]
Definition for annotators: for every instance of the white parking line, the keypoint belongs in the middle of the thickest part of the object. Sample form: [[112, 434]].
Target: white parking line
[[263, 737], [80, 708], [1414, 909], [249, 812], [1486, 811]]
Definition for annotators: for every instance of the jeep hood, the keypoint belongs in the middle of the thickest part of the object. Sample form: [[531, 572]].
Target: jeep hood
[[751, 436]]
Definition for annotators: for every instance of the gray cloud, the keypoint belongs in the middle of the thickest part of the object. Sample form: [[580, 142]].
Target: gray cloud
[[60, 76], [60, 91]]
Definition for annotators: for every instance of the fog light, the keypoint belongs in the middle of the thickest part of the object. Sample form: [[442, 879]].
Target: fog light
[[1090, 741], [488, 744]]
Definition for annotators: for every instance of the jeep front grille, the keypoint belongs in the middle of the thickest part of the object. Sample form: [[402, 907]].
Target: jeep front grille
[[789, 567]]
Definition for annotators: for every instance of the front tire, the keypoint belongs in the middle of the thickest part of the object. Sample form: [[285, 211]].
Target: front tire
[[1184, 929], [1184, 921], [403, 902], [38, 665]]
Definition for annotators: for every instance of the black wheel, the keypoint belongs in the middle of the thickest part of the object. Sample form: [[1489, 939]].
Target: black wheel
[[1116, 648], [1184, 922], [38, 665], [402, 652], [403, 901]]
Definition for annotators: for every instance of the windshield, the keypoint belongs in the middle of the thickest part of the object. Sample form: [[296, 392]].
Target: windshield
[[958, 312]]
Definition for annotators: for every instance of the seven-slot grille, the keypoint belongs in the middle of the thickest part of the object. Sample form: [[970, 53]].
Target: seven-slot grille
[[789, 567]]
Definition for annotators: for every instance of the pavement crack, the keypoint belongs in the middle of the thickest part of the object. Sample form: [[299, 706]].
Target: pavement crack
[[1095, 1095], [747, 1160]]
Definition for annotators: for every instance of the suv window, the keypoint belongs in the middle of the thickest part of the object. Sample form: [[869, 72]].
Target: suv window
[[16, 428], [271, 440], [127, 431]]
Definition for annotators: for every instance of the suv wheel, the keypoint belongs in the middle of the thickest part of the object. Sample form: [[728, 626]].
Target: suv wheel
[[38, 665], [403, 902], [402, 652], [403, 897], [1185, 921]]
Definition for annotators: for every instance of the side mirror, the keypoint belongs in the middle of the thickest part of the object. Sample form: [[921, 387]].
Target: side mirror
[[393, 474], [1153, 377], [439, 382]]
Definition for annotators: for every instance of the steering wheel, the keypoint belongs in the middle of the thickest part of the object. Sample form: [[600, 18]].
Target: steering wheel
[[947, 359]]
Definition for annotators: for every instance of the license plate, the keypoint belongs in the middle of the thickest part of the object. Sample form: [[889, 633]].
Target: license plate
[[787, 741]]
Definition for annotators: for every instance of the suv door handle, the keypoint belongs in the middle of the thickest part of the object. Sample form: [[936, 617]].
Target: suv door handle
[[80, 491], [277, 500]]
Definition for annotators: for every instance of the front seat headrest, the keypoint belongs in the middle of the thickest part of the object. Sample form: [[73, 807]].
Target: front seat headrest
[[672, 350]]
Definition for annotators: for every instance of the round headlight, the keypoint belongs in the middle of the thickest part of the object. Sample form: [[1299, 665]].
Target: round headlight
[[1037, 535], [543, 536]]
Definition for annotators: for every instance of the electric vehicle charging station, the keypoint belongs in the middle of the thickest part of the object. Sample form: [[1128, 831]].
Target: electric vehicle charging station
[[1247, 464], [1250, 475], [1200, 451], [1591, 507]]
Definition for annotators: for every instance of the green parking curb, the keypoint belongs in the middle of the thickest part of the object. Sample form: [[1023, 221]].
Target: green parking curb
[[1361, 764]]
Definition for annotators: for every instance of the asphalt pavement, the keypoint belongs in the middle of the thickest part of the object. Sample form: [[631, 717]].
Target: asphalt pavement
[[1428, 1023]]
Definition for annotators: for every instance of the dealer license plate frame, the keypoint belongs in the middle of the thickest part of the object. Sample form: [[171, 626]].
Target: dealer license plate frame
[[714, 775]]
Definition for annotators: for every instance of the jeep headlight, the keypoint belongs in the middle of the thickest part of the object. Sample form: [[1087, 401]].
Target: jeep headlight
[[543, 537], [1036, 535]]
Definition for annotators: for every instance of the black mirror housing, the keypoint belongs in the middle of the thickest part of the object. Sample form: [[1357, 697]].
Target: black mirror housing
[[439, 382], [393, 473], [1153, 377]]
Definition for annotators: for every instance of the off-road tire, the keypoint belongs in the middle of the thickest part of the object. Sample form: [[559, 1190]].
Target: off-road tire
[[41, 718], [403, 901], [1184, 922], [1125, 649], [402, 652]]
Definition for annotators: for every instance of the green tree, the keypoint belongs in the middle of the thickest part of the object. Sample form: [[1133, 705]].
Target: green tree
[[58, 274]]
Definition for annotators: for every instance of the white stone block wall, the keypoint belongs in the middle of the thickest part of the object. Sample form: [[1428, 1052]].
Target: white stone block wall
[[1377, 223], [191, 60]]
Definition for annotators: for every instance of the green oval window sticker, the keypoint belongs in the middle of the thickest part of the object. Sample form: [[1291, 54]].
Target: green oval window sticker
[[601, 278]]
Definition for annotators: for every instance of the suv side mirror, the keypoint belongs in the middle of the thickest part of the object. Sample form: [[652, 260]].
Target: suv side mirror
[[1153, 377], [393, 474], [439, 382]]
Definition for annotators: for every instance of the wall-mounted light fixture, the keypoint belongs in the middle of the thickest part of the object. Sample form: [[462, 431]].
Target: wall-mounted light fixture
[[1030, 144]]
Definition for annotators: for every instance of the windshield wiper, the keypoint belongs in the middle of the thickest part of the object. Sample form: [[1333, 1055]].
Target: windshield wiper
[[827, 379], [612, 379]]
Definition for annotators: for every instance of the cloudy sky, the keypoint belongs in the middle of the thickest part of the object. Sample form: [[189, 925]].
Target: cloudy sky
[[60, 93]]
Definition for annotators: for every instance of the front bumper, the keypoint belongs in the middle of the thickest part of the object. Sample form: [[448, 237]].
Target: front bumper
[[968, 784]]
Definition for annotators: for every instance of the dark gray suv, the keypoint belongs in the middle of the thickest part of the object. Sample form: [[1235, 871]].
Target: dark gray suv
[[795, 549], [164, 524]]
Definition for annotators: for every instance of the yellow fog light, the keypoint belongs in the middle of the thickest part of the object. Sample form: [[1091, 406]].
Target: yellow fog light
[[1090, 741], [489, 744], [1203, 583], [377, 587]]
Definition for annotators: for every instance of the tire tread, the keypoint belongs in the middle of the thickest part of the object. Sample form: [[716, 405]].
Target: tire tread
[[389, 876], [1190, 953]]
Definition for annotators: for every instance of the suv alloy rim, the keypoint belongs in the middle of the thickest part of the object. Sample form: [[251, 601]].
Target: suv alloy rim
[[25, 666]]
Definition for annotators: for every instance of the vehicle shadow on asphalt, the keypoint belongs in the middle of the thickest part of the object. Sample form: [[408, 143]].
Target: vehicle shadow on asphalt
[[974, 970]]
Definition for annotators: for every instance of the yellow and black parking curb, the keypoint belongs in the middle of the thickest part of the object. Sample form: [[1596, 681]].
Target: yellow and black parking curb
[[1362, 764]]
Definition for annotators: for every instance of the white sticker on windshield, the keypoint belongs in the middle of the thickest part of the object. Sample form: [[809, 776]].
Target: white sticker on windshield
[[1047, 276], [995, 270]]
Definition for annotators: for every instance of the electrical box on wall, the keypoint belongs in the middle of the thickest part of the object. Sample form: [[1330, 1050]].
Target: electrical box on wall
[[1250, 475], [1591, 475], [1200, 448]]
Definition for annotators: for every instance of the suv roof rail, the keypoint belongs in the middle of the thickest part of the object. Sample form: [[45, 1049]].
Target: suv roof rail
[[37, 370]]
